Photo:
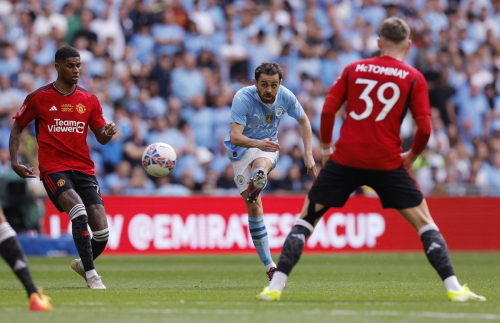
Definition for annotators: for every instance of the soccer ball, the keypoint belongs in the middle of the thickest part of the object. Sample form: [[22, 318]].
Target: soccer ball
[[159, 159]]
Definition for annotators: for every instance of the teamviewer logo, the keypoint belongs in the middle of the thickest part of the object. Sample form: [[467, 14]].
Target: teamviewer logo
[[67, 126]]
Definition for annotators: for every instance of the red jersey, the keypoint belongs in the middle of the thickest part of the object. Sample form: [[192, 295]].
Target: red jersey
[[61, 122], [379, 92]]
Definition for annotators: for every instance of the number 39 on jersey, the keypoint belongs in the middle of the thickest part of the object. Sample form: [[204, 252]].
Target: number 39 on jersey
[[388, 102]]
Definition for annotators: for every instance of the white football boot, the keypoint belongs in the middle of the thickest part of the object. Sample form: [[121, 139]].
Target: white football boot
[[95, 282], [77, 266]]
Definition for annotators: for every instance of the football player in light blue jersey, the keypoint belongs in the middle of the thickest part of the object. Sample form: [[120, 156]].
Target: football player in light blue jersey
[[252, 144]]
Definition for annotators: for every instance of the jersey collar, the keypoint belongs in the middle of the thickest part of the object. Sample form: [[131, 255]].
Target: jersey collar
[[61, 93]]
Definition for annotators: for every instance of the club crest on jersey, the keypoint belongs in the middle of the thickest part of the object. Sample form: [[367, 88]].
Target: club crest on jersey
[[279, 112], [80, 108], [61, 182], [269, 118], [240, 179]]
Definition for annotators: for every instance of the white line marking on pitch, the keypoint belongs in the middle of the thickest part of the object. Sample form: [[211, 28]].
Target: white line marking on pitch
[[442, 315], [188, 311]]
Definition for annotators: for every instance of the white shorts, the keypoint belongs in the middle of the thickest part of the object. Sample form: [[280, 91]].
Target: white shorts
[[242, 169]]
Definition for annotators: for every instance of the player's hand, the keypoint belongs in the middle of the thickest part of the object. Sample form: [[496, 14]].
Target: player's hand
[[408, 158], [23, 171], [310, 165], [110, 129], [268, 145]]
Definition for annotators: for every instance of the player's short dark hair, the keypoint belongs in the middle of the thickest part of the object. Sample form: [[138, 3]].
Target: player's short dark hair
[[268, 68], [66, 52], [394, 29]]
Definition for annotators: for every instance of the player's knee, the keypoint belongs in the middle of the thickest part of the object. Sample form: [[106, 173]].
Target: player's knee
[[262, 162], [68, 199], [101, 235], [314, 214]]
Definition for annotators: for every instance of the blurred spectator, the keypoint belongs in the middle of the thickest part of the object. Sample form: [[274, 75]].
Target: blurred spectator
[[10, 64], [86, 18], [139, 183], [134, 146], [201, 118], [168, 34], [187, 80], [167, 71], [234, 58], [473, 112], [109, 33], [226, 180], [118, 180], [21, 200]]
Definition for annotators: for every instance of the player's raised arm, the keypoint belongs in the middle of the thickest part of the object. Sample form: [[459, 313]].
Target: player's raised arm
[[239, 139], [104, 134], [14, 143]]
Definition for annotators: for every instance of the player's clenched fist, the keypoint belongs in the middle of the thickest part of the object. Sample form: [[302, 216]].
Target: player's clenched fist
[[268, 145], [110, 129]]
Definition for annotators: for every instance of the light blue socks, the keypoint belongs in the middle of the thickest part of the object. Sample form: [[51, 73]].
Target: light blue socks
[[259, 237]]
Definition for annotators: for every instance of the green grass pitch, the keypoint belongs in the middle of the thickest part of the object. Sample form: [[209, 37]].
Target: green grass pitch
[[337, 288]]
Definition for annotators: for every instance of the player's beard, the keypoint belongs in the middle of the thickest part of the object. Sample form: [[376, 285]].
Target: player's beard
[[267, 97]]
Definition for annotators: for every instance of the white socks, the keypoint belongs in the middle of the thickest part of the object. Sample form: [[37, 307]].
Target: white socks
[[278, 281], [91, 273], [7, 232], [271, 265], [451, 283]]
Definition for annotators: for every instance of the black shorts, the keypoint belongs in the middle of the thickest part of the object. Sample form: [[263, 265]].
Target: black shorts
[[85, 185], [396, 188]]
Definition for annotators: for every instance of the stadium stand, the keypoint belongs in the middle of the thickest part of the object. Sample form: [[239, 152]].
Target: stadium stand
[[167, 70]]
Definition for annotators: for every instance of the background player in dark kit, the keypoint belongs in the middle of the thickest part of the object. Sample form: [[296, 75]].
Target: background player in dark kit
[[63, 111], [13, 254]]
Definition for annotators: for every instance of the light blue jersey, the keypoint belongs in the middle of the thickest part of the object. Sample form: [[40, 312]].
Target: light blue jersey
[[261, 120]]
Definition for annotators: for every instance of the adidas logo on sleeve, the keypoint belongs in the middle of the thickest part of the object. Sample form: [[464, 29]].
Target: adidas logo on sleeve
[[53, 108]]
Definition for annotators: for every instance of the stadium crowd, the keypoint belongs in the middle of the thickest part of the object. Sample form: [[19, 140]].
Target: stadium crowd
[[167, 70]]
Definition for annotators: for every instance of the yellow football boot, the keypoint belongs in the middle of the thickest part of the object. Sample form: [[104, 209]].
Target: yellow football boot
[[464, 295], [268, 296]]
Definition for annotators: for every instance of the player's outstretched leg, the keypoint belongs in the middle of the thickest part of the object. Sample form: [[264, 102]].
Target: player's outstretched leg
[[81, 237], [14, 256], [253, 202], [258, 232], [437, 252], [292, 250]]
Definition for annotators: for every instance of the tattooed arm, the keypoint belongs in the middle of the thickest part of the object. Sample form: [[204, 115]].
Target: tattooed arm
[[14, 143]]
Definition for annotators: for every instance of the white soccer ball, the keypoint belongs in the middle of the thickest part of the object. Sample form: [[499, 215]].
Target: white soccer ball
[[159, 159]]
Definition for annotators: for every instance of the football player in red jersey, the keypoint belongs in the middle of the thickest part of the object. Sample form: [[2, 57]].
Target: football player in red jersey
[[62, 112], [379, 91]]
